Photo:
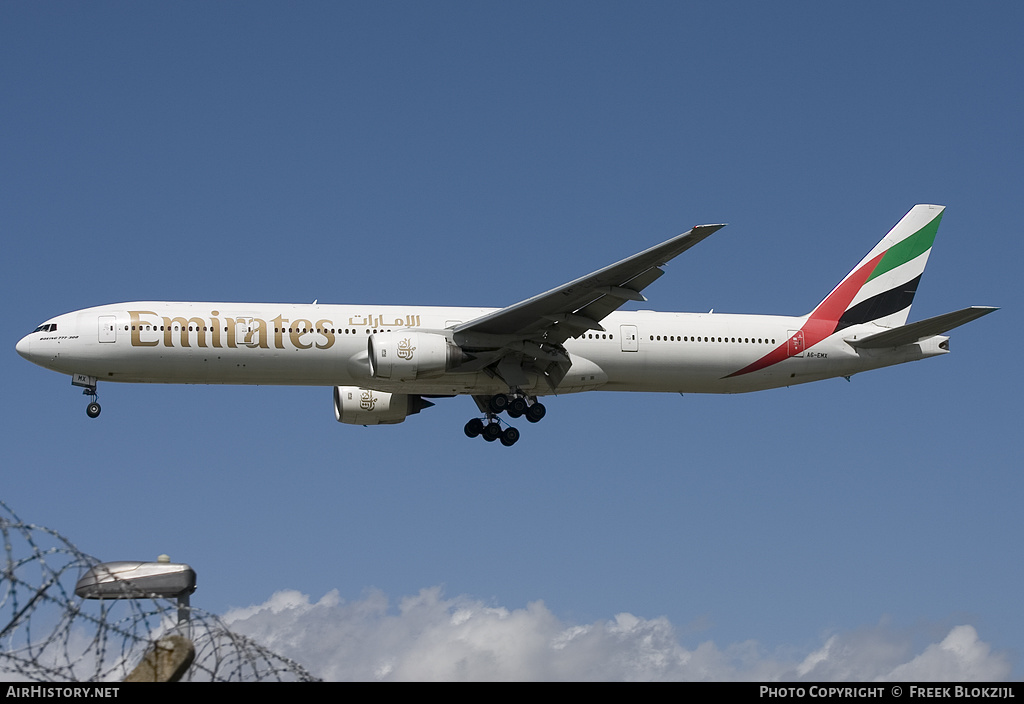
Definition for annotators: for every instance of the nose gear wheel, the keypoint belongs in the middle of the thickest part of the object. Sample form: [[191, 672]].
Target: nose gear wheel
[[93, 409]]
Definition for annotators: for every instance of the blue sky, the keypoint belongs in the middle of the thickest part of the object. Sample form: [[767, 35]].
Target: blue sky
[[478, 154]]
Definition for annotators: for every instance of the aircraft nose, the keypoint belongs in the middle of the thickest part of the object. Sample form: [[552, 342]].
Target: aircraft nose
[[24, 347]]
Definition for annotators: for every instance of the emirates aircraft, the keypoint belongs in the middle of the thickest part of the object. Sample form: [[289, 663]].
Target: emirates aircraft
[[385, 362]]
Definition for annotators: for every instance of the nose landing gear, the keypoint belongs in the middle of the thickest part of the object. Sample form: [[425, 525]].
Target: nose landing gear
[[93, 409], [88, 385]]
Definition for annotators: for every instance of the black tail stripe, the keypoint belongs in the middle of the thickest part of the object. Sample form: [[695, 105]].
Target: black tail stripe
[[885, 303]]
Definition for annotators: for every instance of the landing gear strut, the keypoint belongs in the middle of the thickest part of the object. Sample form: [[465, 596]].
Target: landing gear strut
[[516, 406]]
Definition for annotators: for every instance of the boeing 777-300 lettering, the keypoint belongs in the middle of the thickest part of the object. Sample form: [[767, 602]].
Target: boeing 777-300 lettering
[[385, 362]]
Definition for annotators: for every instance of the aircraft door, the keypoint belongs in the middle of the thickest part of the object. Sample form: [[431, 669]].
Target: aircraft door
[[108, 328], [629, 337], [244, 332], [796, 343]]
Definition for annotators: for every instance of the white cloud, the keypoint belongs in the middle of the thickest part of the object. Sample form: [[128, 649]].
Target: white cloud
[[430, 637], [960, 656]]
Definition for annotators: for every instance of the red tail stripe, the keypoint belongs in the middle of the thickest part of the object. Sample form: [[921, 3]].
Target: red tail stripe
[[822, 321]]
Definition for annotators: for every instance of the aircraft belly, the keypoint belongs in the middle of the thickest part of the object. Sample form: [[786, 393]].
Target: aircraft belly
[[476, 383], [669, 369]]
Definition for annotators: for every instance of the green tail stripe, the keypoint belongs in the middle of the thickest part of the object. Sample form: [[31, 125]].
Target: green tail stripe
[[913, 246]]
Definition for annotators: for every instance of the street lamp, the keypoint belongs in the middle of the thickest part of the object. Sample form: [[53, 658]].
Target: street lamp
[[162, 579], [171, 656]]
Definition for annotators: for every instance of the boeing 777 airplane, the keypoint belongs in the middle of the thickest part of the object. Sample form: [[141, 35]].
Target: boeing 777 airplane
[[385, 362]]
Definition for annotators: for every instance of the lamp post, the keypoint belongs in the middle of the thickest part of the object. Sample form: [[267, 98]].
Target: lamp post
[[163, 579]]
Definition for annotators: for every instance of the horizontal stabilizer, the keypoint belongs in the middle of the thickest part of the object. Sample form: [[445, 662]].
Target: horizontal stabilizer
[[922, 329]]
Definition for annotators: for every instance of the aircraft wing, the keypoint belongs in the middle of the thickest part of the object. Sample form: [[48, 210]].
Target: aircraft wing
[[528, 336], [922, 329], [580, 305]]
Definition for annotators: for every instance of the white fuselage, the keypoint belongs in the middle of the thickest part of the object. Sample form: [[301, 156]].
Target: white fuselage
[[326, 345]]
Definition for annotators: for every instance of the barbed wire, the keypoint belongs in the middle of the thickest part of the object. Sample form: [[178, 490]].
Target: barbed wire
[[48, 634]]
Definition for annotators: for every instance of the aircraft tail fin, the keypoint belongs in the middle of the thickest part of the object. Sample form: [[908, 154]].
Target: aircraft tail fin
[[881, 287]]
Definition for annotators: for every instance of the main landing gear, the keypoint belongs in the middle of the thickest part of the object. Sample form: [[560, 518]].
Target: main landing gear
[[516, 407], [492, 431]]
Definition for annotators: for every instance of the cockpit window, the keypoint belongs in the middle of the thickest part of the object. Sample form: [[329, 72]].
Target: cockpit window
[[46, 327]]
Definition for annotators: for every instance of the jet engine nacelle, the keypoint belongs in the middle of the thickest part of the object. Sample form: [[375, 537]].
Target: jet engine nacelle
[[404, 356], [358, 406]]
